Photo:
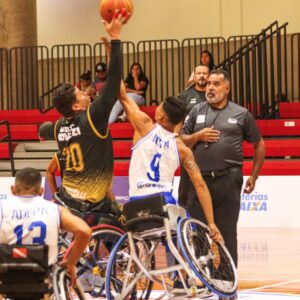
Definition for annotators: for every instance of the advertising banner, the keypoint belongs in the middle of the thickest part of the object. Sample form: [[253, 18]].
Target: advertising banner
[[275, 201]]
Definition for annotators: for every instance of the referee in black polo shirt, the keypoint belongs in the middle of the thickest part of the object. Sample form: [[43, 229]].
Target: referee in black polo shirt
[[215, 130]]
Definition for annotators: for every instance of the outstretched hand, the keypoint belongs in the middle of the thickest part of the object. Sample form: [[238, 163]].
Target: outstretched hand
[[114, 27]]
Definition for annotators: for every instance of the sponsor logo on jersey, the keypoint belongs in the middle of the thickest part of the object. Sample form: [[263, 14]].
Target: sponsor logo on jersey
[[232, 121], [142, 185], [67, 132], [200, 119]]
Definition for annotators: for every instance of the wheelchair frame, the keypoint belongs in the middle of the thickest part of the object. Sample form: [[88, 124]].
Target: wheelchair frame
[[25, 274], [167, 230]]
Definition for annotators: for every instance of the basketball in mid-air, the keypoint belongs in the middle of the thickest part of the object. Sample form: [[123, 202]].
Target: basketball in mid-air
[[107, 8]]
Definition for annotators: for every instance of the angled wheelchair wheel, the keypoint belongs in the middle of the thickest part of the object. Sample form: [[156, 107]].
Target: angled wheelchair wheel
[[62, 289], [124, 279], [92, 265], [209, 260]]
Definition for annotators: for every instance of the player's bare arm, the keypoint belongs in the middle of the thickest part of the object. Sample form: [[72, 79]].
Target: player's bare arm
[[140, 121], [188, 161], [82, 233]]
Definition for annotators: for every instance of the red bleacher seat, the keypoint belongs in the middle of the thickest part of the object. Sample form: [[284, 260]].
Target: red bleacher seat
[[21, 132], [28, 116], [121, 130], [289, 110], [279, 127], [122, 149], [276, 148]]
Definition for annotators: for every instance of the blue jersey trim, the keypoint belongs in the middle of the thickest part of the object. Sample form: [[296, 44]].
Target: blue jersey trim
[[142, 139]]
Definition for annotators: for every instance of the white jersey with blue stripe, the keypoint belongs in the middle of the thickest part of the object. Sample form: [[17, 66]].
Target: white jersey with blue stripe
[[153, 163], [30, 220]]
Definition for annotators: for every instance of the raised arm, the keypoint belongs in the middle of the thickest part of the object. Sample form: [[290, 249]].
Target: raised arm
[[140, 121], [101, 107], [190, 165]]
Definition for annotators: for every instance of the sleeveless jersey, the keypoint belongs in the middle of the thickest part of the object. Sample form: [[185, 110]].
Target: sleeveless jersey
[[31, 220], [153, 163], [88, 156]]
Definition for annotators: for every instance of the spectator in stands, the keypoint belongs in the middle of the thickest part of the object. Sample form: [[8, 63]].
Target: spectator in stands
[[273, 112], [83, 136], [215, 131], [192, 96], [206, 59], [27, 218], [136, 86], [196, 92], [85, 84], [101, 75]]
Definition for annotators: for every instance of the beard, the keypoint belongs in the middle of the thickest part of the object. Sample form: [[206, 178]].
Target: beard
[[212, 98]]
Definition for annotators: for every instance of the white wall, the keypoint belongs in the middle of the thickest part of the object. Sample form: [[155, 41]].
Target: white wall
[[74, 21]]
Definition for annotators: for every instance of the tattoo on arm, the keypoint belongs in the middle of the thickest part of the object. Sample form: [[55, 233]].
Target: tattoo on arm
[[190, 165]]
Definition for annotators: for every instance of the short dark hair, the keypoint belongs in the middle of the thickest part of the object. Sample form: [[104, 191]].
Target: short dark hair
[[28, 179], [174, 109], [86, 76], [202, 65], [63, 99], [221, 72]]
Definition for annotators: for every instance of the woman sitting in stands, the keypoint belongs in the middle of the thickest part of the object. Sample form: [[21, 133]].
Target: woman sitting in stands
[[136, 86], [85, 84]]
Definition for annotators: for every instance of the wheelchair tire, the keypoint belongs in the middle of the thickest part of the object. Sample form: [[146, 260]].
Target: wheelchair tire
[[118, 268], [209, 260], [92, 265]]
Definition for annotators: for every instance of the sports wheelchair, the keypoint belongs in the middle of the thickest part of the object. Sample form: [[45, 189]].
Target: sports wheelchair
[[91, 267], [200, 260], [25, 275]]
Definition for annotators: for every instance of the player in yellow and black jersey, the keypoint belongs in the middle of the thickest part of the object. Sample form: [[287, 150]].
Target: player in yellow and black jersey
[[83, 136]]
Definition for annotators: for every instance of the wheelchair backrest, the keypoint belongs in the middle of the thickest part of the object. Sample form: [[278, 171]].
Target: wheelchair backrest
[[23, 270], [145, 207]]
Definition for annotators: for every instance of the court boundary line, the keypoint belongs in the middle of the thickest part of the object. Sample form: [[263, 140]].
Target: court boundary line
[[271, 285]]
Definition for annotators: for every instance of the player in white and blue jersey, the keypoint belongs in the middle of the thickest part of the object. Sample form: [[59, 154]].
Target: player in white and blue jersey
[[157, 152], [27, 219]]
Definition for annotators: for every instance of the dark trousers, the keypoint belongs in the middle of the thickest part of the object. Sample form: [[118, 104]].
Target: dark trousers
[[226, 195]]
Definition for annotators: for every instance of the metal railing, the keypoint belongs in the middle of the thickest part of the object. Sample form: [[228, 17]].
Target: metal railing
[[258, 70], [28, 76], [258, 64], [4, 78], [7, 138], [160, 60]]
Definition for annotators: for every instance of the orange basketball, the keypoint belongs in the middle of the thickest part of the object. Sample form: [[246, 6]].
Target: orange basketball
[[108, 7]]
